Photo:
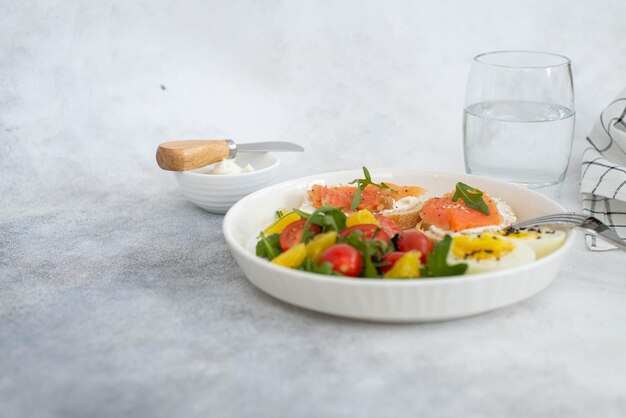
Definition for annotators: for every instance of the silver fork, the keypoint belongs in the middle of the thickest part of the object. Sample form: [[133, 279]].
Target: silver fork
[[589, 224]]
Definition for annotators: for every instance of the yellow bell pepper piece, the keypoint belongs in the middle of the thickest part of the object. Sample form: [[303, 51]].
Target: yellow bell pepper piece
[[361, 217], [316, 247], [278, 226], [407, 267], [291, 258]]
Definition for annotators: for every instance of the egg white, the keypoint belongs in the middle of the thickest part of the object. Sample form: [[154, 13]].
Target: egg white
[[521, 254], [543, 241]]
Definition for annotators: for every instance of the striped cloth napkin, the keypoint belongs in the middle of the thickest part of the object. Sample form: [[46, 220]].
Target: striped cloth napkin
[[603, 183]]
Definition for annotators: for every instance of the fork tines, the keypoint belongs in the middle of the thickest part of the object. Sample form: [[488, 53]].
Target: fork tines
[[568, 218]]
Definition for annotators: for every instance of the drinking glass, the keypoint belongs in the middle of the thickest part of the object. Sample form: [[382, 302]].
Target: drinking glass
[[518, 122]]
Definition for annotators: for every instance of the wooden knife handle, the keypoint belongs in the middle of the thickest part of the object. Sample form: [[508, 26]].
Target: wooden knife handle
[[190, 154]]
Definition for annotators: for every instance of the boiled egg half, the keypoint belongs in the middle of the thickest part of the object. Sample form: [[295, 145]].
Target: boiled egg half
[[488, 252], [542, 240]]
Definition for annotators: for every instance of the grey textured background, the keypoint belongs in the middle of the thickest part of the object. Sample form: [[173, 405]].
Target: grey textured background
[[119, 298]]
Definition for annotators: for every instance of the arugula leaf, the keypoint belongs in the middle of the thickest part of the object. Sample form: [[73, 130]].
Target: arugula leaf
[[268, 246], [436, 264], [369, 269], [323, 268], [473, 198], [362, 184], [303, 215], [356, 199], [327, 217]]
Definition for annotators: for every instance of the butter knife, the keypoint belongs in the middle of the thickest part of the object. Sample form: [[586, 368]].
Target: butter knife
[[191, 154]]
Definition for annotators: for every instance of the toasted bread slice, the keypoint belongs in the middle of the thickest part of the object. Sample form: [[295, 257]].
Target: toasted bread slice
[[405, 219], [428, 231]]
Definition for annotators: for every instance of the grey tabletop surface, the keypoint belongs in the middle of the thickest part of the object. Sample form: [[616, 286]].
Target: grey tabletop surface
[[119, 298]]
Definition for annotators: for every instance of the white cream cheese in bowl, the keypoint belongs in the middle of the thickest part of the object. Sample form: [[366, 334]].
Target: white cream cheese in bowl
[[226, 166], [218, 186]]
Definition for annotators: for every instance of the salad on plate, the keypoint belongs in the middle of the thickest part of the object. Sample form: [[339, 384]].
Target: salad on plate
[[382, 230]]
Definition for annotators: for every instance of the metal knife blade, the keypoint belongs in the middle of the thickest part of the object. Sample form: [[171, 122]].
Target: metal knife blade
[[274, 146]]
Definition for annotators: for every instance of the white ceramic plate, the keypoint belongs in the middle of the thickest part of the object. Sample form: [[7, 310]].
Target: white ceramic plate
[[415, 300]]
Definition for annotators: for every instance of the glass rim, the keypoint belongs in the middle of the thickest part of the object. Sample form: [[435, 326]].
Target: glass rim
[[479, 59]]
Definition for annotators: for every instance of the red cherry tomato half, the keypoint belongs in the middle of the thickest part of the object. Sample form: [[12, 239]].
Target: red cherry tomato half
[[344, 258], [415, 241], [387, 225], [368, 232], [292, 234], [391, 259]]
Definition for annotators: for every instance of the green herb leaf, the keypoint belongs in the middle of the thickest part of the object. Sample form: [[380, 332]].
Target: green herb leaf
[[436, 263], [303, 215], [356, 199], [369, 269], [279, 214], [323, 268], [329, 218], [473, 198], [366, 173], [362, 184], [268, 246]]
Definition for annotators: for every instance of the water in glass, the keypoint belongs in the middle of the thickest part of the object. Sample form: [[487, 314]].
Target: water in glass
[[519, 141]]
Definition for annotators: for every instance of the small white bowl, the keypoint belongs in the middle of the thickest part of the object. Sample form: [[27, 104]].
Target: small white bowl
[[218, 192], [409, 300]]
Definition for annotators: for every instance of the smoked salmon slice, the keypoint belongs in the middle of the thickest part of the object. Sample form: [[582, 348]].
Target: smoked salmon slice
[[443, 213], [372, 198], [405, 191], [328, 196]]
